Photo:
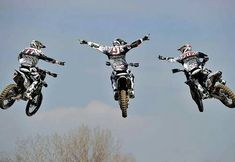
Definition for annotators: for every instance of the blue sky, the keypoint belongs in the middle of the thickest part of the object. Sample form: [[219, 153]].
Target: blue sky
[[163, 123]]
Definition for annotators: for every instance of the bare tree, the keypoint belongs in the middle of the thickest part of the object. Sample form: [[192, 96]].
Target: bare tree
[[80, 145], [5, 157], [102, 143]]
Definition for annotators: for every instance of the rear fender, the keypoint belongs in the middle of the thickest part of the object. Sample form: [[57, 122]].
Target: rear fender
[[21, 79], [18, 78]]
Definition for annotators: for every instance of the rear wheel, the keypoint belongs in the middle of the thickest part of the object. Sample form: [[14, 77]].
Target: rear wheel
[[6, 100], [197, 98], [123, 101], [228, 95], [33, 105]]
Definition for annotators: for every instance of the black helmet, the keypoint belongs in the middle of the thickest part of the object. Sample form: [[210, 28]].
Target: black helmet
[[37, 44]]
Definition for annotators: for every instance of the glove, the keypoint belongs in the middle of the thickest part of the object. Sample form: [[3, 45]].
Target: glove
[[136, 64], [83, 41], [60, 63], [54, 75], [161, 57], [146, 37]]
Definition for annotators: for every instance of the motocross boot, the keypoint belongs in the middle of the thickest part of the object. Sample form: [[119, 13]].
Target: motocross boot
[[211, 78], [115, 95], [203, 92], [28, 95], [30, 90], [132, 94]]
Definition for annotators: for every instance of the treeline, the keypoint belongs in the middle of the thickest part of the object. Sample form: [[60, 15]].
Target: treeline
[[81, 145]]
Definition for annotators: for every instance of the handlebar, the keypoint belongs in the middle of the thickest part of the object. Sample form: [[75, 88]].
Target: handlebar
[[52, 74], [48, 72], [130, 64], [177, 70]]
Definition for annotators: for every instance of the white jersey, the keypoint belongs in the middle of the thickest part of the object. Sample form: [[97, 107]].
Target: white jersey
[[190, 64], [190, 59], [115, 52], [112, 52], [30, 56]]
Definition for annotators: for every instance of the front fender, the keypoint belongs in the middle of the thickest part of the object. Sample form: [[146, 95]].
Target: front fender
[[123, 82]]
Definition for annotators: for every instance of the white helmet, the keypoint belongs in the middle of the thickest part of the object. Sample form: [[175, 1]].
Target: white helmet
[[185, 48], [37, 44]]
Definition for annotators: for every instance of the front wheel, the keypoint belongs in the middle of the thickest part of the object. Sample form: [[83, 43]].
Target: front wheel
[[123, 101], [227, 94], [33, 105], [6, 100]]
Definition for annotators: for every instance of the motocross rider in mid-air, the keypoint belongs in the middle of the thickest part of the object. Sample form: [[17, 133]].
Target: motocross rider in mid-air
[[117, 51], [193, 63], [28, 59]]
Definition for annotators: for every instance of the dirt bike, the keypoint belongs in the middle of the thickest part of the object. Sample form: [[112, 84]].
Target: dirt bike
[[123, 82], [14, 92], [217, 89]]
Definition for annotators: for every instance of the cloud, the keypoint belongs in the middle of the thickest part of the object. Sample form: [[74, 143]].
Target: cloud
[[95, 114]]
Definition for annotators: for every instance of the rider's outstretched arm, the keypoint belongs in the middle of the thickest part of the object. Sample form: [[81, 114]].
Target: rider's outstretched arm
[[94, 45], [139, 41], [169, 59], [50, 60]]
